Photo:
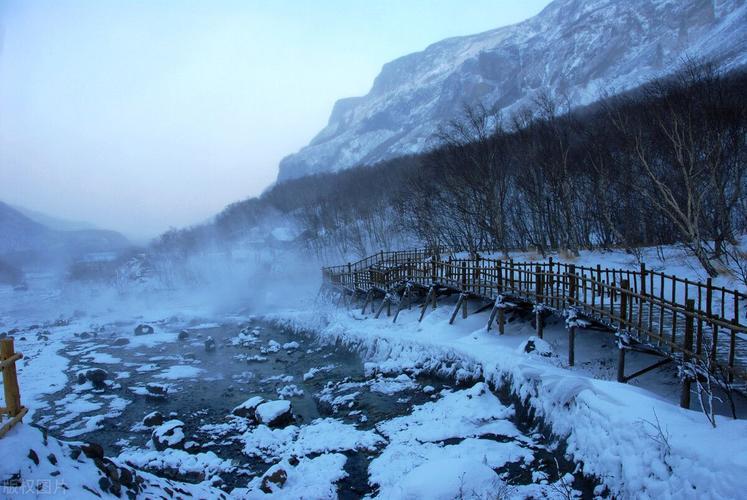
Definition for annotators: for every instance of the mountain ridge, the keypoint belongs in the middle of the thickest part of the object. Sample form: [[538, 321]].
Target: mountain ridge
[[572, 47]]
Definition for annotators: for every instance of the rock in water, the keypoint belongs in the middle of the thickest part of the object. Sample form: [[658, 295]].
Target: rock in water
[[143, 329], [183, 335], [168, 435], [274, 413], [248, 408], [157, 390], [96, 375], [154, 418], [209, 344]]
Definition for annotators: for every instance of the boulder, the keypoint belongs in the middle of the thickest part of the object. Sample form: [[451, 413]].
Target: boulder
[[183, 335], [274, 413], [121, 341], [273, 480], [154, 418], [95, 375], [248, 408], [169, 434], [157, 390], [143, 329], [209, 344]]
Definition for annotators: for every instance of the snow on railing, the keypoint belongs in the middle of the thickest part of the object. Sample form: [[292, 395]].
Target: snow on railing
[[654, 307]]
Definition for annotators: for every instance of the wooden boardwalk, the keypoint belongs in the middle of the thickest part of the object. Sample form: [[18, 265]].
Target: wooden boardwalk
[[697, 325]]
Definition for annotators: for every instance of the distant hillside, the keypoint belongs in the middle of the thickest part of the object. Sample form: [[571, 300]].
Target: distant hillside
[[52, 222], [24, 241]]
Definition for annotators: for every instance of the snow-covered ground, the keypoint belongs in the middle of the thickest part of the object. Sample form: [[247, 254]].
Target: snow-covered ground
[[437, 410]]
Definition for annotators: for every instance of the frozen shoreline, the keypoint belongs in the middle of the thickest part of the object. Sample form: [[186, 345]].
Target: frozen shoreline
[[637, 443]]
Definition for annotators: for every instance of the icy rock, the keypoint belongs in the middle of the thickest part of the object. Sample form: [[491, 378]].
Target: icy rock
[[536, 345], [157, 390], [278, 478], [170, 434], [183, 335], [143, 329], [96, 375], [274, 413], [209, 344], [121, 341], [191, 447], [248, 408], [154, 418]]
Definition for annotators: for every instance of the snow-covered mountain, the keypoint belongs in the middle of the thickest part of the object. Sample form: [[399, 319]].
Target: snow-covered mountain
[[574, 48]]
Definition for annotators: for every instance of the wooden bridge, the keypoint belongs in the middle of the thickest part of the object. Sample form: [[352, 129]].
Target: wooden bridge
[[700, 326]]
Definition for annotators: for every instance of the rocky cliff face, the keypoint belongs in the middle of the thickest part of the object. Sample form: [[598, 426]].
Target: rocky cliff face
[[573, 48]]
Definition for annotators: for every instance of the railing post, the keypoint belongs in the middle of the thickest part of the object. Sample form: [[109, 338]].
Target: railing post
[[624, 284], [687, 348], [10, 379], [571, 284]]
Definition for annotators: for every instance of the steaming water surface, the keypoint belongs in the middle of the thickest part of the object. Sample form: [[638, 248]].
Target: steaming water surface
[[252, 358]]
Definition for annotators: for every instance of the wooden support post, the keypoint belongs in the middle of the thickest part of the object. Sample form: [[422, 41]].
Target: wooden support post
[[571, 346], [405, 293], [492, 317], [10, 379], [369, 295], [501, 321], [384, 302], [621, 364], [464, 307], [431, 291], [538, 284], [538, 320], [687, 350], [458, 306]]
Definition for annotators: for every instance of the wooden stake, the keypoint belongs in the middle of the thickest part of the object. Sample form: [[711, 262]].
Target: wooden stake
[[687, 349], [458, 306], [571, 346], [538, 322], [10, 379], [621, 364], [501, 321]]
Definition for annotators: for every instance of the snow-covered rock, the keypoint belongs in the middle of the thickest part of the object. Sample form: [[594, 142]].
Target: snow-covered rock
[[248, 408], [274, 413], [169, 434], [572, 48]]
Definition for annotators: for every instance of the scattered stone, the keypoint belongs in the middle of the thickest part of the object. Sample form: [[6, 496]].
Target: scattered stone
[[96, 375], [85, 335], [33, 457], [183, 335], [170, 434], [121, 341], [248, 408], [191, 447], [93, 451], [209, 344], [157, 390], [52, 459], [154, 418], [143, 329], [278, 477], [274, 413]]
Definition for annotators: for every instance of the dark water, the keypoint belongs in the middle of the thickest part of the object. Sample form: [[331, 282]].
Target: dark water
[[242, 367]]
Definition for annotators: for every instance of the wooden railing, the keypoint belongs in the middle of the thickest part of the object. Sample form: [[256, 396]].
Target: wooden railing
[[654, 307], [13, 409]]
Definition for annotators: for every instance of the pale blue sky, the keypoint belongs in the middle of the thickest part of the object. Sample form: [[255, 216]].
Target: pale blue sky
[[140, 115]]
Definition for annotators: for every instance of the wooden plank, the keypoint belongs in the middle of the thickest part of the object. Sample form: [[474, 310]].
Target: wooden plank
[[13, 421]]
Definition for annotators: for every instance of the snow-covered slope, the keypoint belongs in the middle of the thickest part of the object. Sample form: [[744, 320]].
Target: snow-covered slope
[[574, 48]]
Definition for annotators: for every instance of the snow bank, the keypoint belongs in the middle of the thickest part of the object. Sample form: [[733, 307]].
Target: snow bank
[[637, 444]]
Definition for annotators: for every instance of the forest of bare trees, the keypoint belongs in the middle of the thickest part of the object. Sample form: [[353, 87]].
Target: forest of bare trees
[[663, 164]]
